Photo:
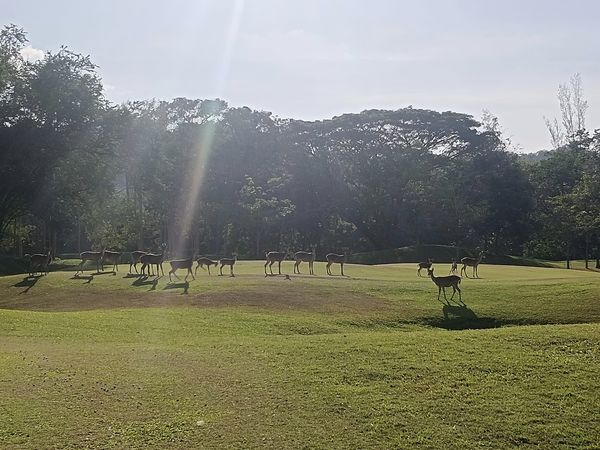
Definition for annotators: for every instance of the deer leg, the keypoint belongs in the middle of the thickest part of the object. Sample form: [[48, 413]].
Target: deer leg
[[297, 267], [190, 272], [231, 270], [271, 267], [208, 267], [266, 268], [221, 270], [342, 269], [328, 268], [279, 267], [459, 293], [444, 291]]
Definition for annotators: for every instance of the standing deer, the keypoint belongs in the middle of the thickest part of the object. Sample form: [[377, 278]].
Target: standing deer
[[111, 258], [135, 259], [182, 264], [424, 265], [273, 257], [227, 262], [301, 257], [41, 261], [471, 262], [443, 282], [150, 259], [454, 267], [203, 261], [90, 256], [333, 258]]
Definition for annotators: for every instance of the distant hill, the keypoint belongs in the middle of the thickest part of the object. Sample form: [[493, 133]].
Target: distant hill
[[535, 157]]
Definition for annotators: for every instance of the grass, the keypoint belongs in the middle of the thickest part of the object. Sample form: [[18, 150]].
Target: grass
[[367, 361]]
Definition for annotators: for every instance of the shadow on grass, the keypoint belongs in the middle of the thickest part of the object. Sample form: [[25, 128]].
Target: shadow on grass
[[143, 280], [134, 275], [88, 278], [28, 282], [185, 285], [461, 317]]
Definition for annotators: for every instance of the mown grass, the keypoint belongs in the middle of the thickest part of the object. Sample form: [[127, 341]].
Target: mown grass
[[368, 361]]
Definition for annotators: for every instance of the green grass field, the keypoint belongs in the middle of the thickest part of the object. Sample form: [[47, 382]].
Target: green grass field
[[372, 360]]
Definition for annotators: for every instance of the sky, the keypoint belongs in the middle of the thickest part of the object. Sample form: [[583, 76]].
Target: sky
[[314, 59]]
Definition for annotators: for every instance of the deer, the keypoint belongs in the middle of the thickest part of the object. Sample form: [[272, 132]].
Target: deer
[[274, 257], [454, 267], [111, 258], [227, 262], [182, 264], [150, 259], [90, 256], [471, 262], [301, 257], [424, 265], [443, 282], [333, 258], [203, 261], [41, 261], [135, 259]]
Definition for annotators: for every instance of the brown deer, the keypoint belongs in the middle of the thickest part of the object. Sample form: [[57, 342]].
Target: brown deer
[[41, 261], [471, 262], [454, 267], [113, 258], [135, 259], [90, 256], [203, 261], [274, 257], [227, 262], [182, 264], [424, 265], [333, 258], [301, 257], [153, 259], [443, 282]]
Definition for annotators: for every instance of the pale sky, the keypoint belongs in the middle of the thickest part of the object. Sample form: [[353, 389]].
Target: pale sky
[[315, 59]]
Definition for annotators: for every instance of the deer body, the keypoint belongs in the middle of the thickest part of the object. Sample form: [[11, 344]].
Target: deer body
[[333, 258], [90, 256], [273, 257], [443, 282], [424, 265], [111, 258], [41, 261], [135, 259], [227, 262], [471, 262], [182, 264], [202, 261], [301, 257], [150, 259]]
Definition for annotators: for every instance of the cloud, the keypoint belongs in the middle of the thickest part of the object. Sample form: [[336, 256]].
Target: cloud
[[32, 54]]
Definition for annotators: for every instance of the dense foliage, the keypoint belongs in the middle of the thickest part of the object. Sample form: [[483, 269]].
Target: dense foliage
[[77, 172]]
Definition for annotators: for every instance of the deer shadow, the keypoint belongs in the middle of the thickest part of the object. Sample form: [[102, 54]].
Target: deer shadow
[[134, 275], [144, 280], [88, 278], [28, 282], [184, 284], [461, 317]]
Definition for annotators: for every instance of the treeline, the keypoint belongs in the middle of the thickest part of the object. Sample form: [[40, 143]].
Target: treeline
[[77, 172]]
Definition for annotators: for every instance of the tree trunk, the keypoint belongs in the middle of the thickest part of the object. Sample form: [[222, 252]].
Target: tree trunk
[[587, 246]]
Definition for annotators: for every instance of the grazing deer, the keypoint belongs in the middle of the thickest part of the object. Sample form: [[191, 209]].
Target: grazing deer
[[203, 261], [471, 262], [454, 267], [443, 282], [182, 264], [111, 258], [273, 257], [227, 262], [301, 257], [135, 259], [41, 261], [333, 258], [150, 259], [424, 265], [90, 256]]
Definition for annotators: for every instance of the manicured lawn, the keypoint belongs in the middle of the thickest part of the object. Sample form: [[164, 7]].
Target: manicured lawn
[[368, 361]]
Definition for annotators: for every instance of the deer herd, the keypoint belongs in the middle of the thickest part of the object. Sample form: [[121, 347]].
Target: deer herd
[[149, 261]]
